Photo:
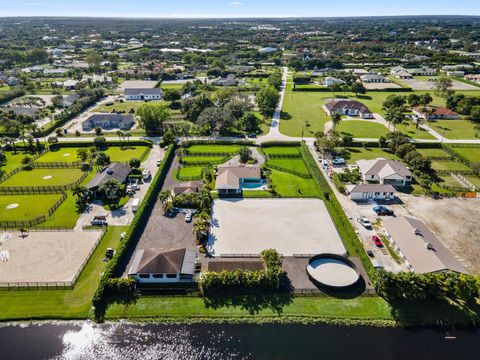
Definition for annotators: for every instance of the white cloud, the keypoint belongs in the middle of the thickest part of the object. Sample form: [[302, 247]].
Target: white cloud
[[235, 3]]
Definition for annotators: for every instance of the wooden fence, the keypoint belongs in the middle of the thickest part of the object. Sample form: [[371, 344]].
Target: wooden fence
[[32, 190]]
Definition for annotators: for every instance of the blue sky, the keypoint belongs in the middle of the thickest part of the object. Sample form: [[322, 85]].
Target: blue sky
[[236, 8]]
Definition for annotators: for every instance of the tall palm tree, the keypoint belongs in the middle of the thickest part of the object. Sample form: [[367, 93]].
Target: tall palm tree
[[336, 118]]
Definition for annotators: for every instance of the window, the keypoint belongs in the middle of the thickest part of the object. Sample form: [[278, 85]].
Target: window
[[157, 276], [144, 276], [377, 193], [171, 276]]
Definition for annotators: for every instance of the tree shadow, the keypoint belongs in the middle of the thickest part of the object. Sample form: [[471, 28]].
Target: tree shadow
[[441, 312], [352, 292], [124, 299], [253, 303], [285, 116], [365, 97]]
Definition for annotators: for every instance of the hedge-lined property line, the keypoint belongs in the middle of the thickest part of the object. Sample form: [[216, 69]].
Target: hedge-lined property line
[[450, 149], [201, 163], [347, 233], [187, 143], [37, 220], [290, 171], [105, 284], [114, 143]]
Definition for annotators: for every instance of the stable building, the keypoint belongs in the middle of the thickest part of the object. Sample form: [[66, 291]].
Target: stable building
[[143, 94], [348, 108], [367, 192], [385, 172], [108, 122], [155, 266], [421, 250]]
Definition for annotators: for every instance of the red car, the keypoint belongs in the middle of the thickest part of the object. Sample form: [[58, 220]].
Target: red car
[[376, 240]]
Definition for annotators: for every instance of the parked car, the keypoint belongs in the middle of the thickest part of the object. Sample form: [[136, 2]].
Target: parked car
[[146, 174], [364, 222], [376, 240], [338, 161], [159, 161], [99, 221], [370, 253], [383, 210], [251, 136], [188, 216]]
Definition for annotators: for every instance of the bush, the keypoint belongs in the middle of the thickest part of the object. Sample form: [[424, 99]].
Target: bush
[[338, 183]]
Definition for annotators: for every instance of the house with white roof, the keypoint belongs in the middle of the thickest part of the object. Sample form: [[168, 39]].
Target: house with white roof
[[143, 94], [384, 171], [329, 81]]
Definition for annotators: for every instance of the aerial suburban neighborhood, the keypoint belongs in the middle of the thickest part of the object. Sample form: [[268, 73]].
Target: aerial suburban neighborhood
[[254, 171]]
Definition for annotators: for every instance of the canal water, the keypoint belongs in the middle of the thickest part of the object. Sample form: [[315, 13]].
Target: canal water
[[85, 340]]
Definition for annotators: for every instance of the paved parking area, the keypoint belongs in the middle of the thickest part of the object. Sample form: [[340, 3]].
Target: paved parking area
[[291, 226]]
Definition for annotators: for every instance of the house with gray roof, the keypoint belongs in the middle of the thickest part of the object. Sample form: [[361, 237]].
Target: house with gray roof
[[348, 107], [385, 172], [421, 250], [108, 122], [117, 171], [143, 94]]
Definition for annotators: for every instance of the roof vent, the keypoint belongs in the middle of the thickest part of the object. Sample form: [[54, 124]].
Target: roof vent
[[429, 246], [418, 232]]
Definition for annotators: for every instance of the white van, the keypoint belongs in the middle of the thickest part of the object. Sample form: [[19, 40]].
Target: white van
[[146, 174], [135, 204]]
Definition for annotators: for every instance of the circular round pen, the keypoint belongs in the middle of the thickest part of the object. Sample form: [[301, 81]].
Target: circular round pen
[[332, 271]]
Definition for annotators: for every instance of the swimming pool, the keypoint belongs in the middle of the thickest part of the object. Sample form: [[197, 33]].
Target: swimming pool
[[253, 183]]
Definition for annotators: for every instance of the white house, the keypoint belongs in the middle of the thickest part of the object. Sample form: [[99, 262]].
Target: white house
[[230, 80], [384, 171], [143, 94], [150, 266], [374, 78], [231, 177], [108, 121], [365, 192], [70, 84], [329, 81], [348, 107]]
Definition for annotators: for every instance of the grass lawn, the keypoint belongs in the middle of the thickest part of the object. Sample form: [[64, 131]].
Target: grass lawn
[[304, 109], [38, 177], [123, 106], [203, 159], [455, 129], [29, 206], [361, 129], [449, 165], [66, 154], [475, 180], [472, 154], [448, 180], [119, 154], [433, 152], [412, 131], [61, 304], [358, 153], [281, 150], [289, 185], [290, 164], [189, 171], [13, 160], [196, 307], [202, 149]]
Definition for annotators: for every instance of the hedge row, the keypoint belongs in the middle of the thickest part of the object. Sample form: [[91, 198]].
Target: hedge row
[[274, 143], [6, 96], [104, 287], [72, 144], [338, 183], [187, 143]]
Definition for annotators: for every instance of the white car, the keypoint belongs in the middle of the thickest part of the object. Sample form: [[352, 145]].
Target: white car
[[188, 216], [364, 222], [159, 161], [338, 161]]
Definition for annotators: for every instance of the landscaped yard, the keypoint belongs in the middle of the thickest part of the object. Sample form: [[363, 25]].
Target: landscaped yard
[[290, 164], [26, 207], [475, 180], [65, 154], [289, 185], [455, 129], [13, 160], [361, 129], [472, 154], [123, 106], [120, 154], [189, 171], [202, 159], [450, 165], [409, 129], [61, 304], [43, 177], [281, 150], [448, 180], [358, 153]]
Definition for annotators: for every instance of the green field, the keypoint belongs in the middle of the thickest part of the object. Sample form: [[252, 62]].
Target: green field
[[291, 164], [61, 304], [289, 185], [409, 129], [354, 154], [433, 152], [13, 160], [281, 150], [361, 129], [472, 154], [123, 106], [201, 159], [29, 206], [118, 154], [205, 149], [475, 180], [60, 155], [39, 177], [447, 180], [450, 165], [455, 129], [189, 171]]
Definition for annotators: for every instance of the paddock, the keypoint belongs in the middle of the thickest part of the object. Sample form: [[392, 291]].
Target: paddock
[[291, 226], [41, 257]]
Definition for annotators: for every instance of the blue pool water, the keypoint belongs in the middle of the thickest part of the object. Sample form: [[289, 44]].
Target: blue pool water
[[253, 184]]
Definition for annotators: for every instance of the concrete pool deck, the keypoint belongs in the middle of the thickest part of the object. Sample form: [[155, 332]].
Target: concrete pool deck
[[291, 226]]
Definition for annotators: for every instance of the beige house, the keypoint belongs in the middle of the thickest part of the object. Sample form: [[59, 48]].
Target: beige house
[[385, 172], [421, 250], [231, 177]]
